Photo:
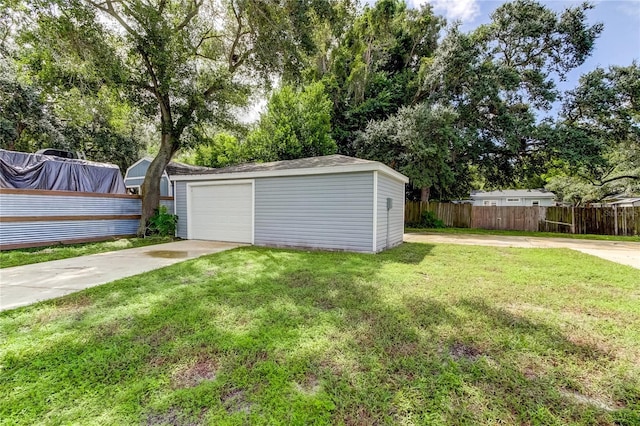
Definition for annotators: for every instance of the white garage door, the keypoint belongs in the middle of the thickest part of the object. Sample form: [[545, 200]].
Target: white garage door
[[221, 212]]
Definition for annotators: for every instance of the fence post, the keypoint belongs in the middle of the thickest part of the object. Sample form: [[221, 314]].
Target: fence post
[[615, 219], [573, 219]]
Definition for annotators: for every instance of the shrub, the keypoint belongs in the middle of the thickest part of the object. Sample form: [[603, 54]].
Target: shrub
[[162, 223], [430, 220]]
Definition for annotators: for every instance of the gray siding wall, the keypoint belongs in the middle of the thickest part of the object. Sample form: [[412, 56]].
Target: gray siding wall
[[180, 199], [322, 211], [389, 188]]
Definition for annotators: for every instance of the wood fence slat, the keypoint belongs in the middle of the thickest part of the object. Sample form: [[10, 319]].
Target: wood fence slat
[[578, 220]]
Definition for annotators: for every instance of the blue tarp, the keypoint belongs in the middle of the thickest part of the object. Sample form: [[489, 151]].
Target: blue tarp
[[20, 170]]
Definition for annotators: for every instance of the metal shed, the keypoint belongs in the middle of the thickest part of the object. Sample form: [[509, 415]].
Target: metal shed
[[333, 202]]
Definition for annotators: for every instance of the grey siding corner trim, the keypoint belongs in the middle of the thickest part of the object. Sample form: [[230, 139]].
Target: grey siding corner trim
[[330, 211], [390, 223]]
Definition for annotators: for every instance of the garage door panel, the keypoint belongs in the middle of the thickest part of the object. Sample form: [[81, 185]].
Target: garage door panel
[[222, 212]]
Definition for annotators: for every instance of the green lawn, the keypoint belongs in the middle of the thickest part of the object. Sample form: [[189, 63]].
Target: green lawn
[[421, 334], [44, 254], [524, 234]]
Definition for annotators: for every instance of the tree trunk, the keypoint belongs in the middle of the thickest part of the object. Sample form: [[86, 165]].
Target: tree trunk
[[151, 184], [424, 193]]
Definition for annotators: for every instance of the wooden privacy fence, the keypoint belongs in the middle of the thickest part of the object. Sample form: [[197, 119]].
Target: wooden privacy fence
[[454, 215], [32, 218], [577, 220]]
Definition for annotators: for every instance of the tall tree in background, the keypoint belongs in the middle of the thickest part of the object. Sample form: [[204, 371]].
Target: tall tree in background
[[499, 78], [181, 62], [421, 142], [99, 125], [296, 124], [599, 144], [370, 70]]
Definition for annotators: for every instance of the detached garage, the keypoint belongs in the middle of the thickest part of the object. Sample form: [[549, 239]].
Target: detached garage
[[332, 202]]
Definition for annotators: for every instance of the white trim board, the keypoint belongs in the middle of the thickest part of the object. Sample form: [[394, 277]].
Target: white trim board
[[375, 211], [351, 168]]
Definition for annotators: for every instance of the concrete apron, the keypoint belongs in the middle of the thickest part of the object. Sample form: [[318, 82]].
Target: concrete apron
[[24, 285], [626, 253]]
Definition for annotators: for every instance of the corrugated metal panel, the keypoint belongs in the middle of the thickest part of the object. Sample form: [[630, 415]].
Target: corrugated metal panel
[[23, 205], [32, 232], [389, 188], [180, 198], [50, 205], [321, 211]]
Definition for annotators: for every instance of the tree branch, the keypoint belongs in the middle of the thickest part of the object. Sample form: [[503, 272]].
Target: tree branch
[[110, 10], [190, 15], [604, 182]]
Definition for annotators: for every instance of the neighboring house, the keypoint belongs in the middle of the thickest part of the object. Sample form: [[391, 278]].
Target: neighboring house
[[513, 197], [135, 174], [332, 202], [625, 202]]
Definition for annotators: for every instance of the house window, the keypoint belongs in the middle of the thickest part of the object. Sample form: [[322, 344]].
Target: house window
[[513, 200], [489, 203], [535, 202]]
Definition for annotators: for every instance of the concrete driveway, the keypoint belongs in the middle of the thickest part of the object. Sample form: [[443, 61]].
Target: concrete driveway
[[24, 285], [626, 253]]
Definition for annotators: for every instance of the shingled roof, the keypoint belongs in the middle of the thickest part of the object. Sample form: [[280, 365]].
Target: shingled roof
[[174, 168], [301, 163], [327, 164]]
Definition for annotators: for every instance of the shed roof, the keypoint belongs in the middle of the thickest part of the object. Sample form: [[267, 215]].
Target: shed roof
[[523, 193], [303, 166]]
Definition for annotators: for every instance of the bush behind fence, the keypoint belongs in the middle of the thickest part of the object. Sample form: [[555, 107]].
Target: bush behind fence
[[576, 220]]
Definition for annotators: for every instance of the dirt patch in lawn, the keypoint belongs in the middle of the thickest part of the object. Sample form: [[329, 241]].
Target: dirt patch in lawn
[[190, 376], [174, 417], [459, 351], [310, 385], [235, 401], [74, 306]]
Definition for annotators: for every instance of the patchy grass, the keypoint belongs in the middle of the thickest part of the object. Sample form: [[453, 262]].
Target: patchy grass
[[635, 238], [20, 257], [421, 334]]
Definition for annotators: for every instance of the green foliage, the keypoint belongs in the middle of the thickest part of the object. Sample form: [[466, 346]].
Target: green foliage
[[162, 223], [222, 150], [101, 125], [296, 124], [369, 66], [500, 77], [26, 123], [429, 219], [422, 142], [598, 148]]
